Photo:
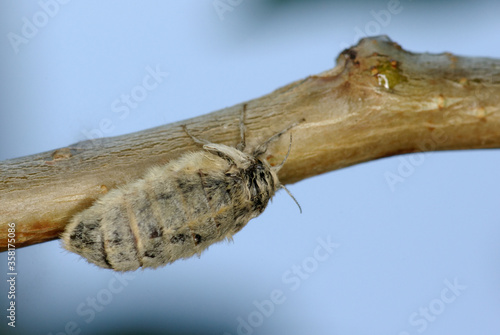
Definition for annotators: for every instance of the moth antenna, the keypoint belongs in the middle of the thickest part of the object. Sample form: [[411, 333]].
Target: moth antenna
[[291, 195], [241, 146], [278, 167]]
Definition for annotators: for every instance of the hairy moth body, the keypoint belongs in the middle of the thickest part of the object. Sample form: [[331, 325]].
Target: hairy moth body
[[177, 210]]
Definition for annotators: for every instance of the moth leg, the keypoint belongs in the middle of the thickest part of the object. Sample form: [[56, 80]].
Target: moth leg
[[196, 139], [241, 146], [262, 148]]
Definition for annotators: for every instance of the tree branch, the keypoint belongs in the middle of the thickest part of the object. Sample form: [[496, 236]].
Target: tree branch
[[377, 102]]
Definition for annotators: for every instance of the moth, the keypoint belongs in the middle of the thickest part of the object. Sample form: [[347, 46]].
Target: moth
[[179, 209]]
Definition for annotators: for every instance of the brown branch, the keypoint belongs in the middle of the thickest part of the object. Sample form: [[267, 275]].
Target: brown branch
[[378, 101]]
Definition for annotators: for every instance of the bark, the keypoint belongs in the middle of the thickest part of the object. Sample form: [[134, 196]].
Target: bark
[[379, 101]]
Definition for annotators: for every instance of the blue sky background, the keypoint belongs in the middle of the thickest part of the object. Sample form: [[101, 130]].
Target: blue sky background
[[421, 257]]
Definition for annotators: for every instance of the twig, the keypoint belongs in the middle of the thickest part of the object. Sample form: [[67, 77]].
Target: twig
[[377, 102]]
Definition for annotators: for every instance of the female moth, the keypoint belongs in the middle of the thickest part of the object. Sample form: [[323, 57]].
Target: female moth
[[179, 209]]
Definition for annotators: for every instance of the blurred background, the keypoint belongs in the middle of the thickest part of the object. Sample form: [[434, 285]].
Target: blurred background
[[365, 257]]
